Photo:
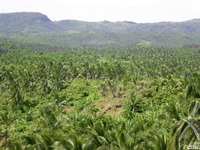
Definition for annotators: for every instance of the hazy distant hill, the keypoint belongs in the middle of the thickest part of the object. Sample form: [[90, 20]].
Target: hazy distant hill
[[38, 28], [25, 22], [126, 26], [98, 26]]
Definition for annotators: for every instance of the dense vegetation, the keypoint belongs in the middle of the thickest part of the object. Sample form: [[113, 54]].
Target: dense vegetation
[[97, 98], [38, 28]]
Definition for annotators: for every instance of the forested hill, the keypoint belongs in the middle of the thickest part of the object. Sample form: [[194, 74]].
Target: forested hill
[[190, 26], [39, 28], [37, 22], [25, 22]]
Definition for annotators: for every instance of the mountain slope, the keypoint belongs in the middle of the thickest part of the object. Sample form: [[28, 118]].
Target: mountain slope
[[97, 26], [187, 27], [25, 22], [38, 28], [37, 22]]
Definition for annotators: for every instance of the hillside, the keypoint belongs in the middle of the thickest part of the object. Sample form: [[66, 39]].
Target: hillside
[[125, 26], [98, 26], [36, 27], [25, 23]]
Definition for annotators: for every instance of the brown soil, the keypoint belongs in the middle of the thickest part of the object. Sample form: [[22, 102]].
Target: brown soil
[[112, 106], [69, 109]]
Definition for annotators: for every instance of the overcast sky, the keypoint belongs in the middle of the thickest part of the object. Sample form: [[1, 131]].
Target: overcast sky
[[112, 10]]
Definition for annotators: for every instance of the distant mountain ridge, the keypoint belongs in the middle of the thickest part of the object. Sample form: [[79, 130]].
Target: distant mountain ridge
[[37, 22], [29, 24], [25, 22]]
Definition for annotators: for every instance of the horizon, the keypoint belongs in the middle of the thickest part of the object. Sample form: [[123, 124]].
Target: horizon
[[164, 21], [142, 11]]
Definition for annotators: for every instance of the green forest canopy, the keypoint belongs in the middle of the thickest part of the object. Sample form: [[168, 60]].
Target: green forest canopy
[[97, 98]]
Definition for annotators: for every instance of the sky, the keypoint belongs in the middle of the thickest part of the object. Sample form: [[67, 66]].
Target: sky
[[140, 11]]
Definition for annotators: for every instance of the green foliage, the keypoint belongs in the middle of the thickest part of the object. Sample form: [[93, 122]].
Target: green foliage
[[57, 98], [132, 106], [144, 43], [37, 28]]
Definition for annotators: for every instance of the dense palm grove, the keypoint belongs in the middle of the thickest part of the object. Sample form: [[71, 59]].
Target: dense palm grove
[[97, 98]]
